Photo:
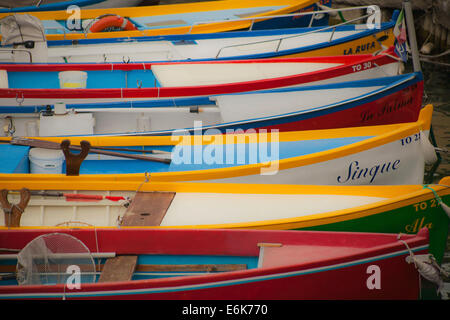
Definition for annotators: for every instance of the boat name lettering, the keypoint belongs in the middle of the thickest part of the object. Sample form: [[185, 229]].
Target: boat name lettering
[[360, 48], [418, 224], [424, 205], [387, 108], [355, 172], [408, 140], [363, 66]]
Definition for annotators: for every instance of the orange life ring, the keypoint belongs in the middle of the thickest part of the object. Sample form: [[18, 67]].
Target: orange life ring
[[112, 21]]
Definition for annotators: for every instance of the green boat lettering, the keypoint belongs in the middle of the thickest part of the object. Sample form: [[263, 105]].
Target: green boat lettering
[[418, 224]]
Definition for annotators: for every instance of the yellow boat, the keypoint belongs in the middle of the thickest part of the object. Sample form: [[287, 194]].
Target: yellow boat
[[197, 17], [381, 155]]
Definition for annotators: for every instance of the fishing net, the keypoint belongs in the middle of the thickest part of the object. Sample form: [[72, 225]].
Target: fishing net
[[55, 258]]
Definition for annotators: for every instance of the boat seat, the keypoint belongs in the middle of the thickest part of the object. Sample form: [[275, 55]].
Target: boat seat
[[120, 268], [147, 209], [277, 254]]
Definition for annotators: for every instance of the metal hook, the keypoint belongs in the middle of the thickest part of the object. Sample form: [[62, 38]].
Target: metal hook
[[11, 127], [20, 100]]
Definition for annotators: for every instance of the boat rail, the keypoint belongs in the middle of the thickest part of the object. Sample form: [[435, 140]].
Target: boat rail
[[12, 50], [372, 11]]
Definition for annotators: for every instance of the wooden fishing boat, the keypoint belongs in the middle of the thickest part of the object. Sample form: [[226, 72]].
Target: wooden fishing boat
[[31, 84], [342, 39], [50, 5], [178, 18], [213, 264], [387, 154], [88, 202], [378, 101]]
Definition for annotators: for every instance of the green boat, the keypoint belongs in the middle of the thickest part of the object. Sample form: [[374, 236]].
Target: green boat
[[133, 201]]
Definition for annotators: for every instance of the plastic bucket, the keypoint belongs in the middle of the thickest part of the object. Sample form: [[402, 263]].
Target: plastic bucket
[[45, 160], [72, 79]]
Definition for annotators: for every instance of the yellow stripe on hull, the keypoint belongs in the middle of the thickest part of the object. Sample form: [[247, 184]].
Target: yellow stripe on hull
[[289, 6], [365, 45], [397, 197]]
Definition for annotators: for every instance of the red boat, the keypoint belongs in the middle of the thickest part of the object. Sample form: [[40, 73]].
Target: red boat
[[136, 263], [31, 84]]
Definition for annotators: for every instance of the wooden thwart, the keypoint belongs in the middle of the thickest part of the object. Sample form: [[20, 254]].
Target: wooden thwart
[[190, 267], [147, 209], [120, 268]]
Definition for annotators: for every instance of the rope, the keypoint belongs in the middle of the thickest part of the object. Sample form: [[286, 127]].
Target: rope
[[426, 186], [426, 265], [146, 179], [439, 200], [391, 56], [442, 54], [411, 254]]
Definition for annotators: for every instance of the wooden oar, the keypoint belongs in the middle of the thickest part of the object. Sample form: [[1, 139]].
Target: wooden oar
[[154, 151], [56, 146]]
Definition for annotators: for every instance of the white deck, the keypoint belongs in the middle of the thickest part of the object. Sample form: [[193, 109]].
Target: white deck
[[186, 208], [178, 75], [210, 208]]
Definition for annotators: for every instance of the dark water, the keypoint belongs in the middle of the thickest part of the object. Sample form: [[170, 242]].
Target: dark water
[[437, 92]]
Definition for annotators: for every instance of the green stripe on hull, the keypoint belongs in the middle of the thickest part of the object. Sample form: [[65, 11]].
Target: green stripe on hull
[[408, 219]]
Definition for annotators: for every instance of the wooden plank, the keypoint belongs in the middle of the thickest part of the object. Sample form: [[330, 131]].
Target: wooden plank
[[147, 209], [120, 268], [190, 267]]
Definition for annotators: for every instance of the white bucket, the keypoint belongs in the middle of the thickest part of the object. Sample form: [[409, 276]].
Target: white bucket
[[45, 160], [72, 79]]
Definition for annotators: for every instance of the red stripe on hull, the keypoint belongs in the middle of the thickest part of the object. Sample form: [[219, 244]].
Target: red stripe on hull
[[399, 107], [397, 280], [168, 92]]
